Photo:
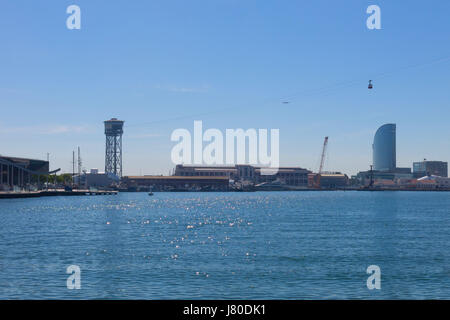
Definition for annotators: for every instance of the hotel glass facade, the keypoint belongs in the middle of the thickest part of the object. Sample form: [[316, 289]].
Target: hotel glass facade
[[384, 148]]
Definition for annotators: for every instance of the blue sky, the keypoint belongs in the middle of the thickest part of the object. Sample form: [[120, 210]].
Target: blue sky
[[160, 65]]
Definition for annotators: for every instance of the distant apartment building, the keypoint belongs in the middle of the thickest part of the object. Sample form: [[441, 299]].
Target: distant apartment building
[[430, 168], [294, 176]]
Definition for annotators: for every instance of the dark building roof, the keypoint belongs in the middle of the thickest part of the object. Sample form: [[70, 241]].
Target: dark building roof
[[38, 166]]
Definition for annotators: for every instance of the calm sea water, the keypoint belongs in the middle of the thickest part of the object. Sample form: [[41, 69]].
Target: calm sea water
[[277, 245]]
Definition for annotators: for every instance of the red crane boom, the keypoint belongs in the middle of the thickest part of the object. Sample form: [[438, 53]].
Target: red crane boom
[[322, 159]]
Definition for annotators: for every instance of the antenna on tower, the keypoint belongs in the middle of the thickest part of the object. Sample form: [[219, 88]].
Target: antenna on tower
[[73, 168], [113, 152]]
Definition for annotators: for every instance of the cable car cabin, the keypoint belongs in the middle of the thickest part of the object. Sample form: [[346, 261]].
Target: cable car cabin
[[370, 84]]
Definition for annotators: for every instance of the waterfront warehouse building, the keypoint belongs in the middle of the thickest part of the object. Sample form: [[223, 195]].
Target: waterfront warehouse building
[[96, 179], [436, 182], [291, 176], [384, 148], [231, 172], [294, 176], [20, 172], [430, 168], [328, 180], [364, 177]]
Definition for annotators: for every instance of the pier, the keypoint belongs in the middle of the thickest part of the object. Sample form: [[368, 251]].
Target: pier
[[54, 193]]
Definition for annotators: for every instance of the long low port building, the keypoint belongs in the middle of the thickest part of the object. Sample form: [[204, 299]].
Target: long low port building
[[293, 176], [176, 183]]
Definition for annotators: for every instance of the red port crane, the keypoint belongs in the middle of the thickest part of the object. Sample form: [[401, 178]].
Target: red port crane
[[324, 151], [322, 162]]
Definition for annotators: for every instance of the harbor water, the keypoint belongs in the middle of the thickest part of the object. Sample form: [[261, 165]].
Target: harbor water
[[260, 245]]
